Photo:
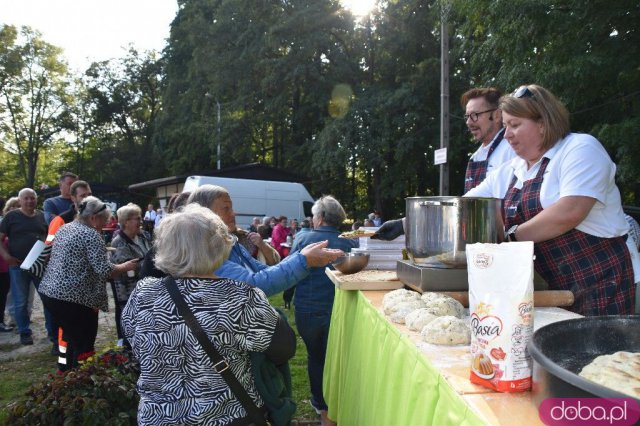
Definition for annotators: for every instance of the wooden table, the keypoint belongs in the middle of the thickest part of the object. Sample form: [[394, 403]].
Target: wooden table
[[382, 373]]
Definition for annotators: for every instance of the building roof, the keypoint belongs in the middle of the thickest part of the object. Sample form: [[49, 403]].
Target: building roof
[[246, 171]]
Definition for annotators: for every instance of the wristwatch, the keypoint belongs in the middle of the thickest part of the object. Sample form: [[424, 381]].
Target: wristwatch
[[511, 234]]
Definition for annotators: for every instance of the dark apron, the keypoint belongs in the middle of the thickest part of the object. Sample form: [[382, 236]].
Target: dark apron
[[477, 170], [597, 270]]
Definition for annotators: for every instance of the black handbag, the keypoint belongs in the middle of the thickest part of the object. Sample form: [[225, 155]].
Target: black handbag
[[264, 372]]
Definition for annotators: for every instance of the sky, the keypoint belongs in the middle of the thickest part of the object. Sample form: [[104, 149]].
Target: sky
[[94, 30]]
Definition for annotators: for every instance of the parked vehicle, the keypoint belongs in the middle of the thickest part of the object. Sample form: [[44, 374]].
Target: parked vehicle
[[258, 198]]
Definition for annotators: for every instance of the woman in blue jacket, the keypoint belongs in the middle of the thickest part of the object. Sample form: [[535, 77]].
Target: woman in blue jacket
[[314, 294]]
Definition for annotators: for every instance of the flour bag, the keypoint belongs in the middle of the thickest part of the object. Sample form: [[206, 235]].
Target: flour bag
[[501, 309]]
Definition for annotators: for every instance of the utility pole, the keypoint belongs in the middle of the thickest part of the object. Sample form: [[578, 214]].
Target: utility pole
[[219, 135], [445, 8]]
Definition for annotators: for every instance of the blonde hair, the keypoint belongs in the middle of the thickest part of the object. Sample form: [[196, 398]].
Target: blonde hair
[[193, 241], [12, 204], [542, 106], [124, 213]]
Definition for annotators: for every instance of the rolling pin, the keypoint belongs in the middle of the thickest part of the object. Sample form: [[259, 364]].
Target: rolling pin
[[544, 298]]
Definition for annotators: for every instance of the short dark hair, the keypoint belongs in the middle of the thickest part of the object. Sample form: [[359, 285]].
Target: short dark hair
[[491, 96], [78, 184], [65, 175]]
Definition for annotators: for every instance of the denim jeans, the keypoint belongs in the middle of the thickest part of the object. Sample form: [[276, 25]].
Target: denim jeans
[[20, 283], [314, 330]]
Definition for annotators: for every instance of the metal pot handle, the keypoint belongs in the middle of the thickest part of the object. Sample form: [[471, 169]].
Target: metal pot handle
[[438, 203]]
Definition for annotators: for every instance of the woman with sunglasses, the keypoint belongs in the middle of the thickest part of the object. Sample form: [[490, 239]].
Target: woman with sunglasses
[[73, 287], [560, 193]]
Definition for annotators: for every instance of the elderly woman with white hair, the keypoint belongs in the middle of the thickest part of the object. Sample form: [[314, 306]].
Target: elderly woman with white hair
[[178, 383], [73, 287], [314, 294], [131, 243]]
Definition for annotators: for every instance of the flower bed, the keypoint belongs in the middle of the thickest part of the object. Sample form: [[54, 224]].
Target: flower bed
[[102, 391]]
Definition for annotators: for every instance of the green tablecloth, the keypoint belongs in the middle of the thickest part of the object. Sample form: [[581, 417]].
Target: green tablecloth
[[375, 376]]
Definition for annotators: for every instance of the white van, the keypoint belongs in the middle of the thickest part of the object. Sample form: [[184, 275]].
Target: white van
[[259, 198]]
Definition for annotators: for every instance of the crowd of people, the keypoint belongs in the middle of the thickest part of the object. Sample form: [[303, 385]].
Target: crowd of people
[[558, 190], [224, 272]]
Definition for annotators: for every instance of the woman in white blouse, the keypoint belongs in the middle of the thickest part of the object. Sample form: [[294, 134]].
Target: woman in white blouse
[[560, 193]]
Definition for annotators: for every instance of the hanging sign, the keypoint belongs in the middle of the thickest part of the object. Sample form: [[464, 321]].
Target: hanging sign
[[440, 156]]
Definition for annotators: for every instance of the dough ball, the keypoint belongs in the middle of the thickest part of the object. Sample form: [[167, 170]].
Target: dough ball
[[396, 296], [447, 330], [429, 296], [442, 305], [417, 319], [400, 310]]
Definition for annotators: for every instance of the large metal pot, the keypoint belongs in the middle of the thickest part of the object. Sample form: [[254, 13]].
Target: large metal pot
[[439, 228]]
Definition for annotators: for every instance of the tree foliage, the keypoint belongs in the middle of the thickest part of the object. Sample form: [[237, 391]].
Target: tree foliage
[[118, 102], [34, 98]]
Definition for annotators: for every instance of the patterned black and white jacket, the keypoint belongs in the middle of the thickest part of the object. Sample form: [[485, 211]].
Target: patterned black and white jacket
[[178, 384], [78, 268]]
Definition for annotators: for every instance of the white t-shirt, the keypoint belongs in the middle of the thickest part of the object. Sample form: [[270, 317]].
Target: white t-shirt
[[150, 215], [501, 155], [578, 166]]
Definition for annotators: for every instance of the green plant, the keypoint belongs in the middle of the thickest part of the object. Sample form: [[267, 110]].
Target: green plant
[[101, 392]]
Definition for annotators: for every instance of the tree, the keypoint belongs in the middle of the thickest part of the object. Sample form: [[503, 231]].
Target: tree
[[118, 103], [269, 64], [34, 103], [387, 137]]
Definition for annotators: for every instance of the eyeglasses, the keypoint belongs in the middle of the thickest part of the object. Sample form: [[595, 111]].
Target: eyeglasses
[[474, 115], [523, 92]]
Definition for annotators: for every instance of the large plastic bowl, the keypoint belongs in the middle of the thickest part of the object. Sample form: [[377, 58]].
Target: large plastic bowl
[[560, 350], [351, 262]]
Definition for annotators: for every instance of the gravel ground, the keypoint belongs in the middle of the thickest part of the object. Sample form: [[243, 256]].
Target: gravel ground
[[12, 348]]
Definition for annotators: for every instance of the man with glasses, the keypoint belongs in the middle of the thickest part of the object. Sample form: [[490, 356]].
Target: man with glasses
[[484, 121]]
